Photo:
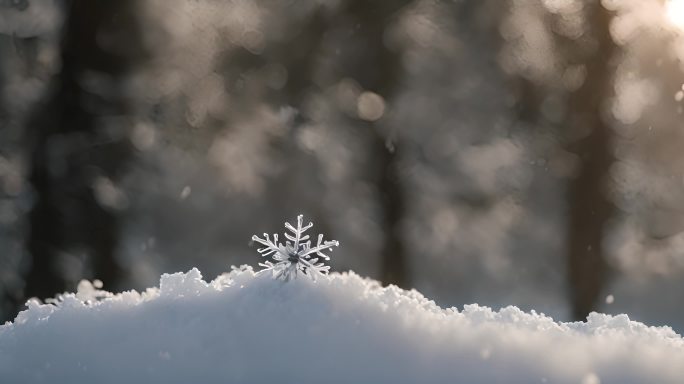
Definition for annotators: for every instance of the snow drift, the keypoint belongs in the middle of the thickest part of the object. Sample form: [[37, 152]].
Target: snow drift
[[245, 327]]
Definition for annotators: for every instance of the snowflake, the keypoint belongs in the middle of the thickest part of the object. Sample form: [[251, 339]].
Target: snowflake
[[297, 254]]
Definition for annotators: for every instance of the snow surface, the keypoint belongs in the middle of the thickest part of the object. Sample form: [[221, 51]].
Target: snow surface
[[245, 327]]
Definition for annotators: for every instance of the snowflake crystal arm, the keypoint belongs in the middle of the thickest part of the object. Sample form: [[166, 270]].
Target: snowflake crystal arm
[[296, 255]]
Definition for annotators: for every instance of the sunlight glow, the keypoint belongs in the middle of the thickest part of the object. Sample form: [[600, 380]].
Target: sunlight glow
[[675, 12]]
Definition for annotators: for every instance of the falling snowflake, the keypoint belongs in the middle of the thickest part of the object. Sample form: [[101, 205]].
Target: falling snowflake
[[297, 254]]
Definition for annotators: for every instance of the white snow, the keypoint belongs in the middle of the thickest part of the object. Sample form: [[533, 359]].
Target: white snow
[[250, 328]]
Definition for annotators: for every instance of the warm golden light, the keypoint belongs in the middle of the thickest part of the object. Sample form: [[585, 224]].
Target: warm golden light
[[675, 12]]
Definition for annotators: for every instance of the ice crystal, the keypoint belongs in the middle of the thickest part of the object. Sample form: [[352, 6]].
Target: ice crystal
[[297, 254]]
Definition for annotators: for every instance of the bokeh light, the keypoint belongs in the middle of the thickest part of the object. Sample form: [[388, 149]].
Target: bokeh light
[[675, 12]]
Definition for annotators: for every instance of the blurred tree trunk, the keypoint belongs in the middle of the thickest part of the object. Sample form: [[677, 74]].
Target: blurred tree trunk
[[588, 203], [376, 68], [394, 268], [379, 70], [72, 151], [589, 208]]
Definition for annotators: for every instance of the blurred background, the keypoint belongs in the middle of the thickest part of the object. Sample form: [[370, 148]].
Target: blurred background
[[504, 152]]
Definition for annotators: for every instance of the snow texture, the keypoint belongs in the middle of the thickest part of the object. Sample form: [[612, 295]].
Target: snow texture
[[245, 327], [296, 255]]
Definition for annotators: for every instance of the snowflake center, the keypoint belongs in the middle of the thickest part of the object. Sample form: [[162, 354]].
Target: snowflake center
[[293, 258]]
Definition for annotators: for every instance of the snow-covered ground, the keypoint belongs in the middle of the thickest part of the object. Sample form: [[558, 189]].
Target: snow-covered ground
[[245, 327]]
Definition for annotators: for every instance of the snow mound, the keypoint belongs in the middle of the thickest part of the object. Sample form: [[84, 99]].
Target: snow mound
[[245, 327]]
